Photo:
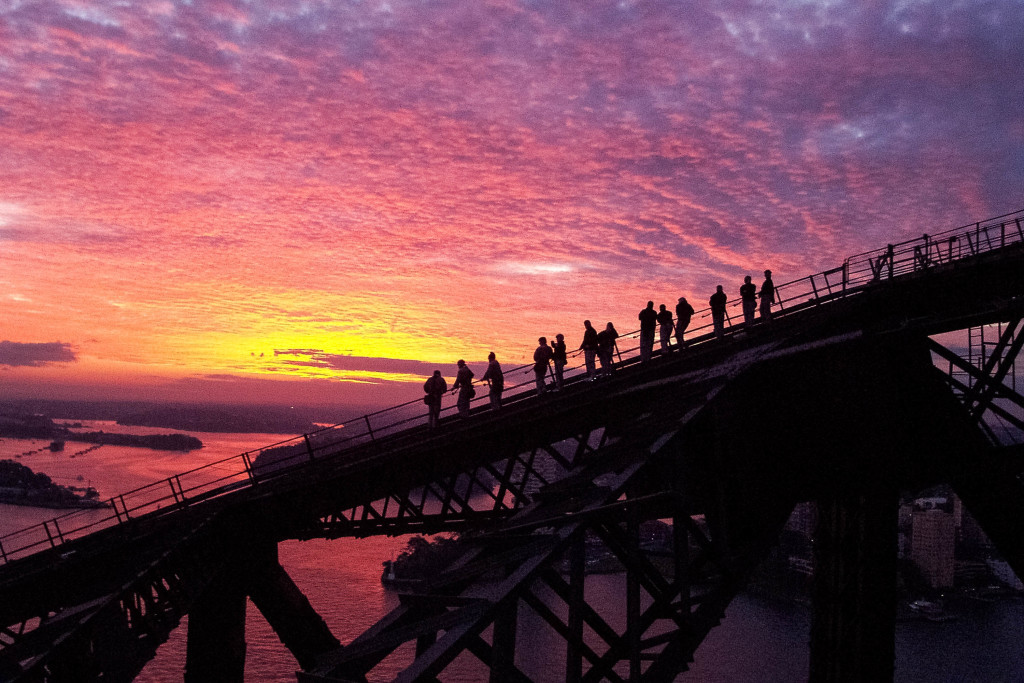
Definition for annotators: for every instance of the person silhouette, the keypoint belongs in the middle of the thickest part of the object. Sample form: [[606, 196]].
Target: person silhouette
[[495, 379], [435, 387], [767, 295], [607, 347], [541, 360], [718, 301], [665, 329], [648, 321], [684, 311], [589, 348], [560, 357], [748, 294], [464, 385]]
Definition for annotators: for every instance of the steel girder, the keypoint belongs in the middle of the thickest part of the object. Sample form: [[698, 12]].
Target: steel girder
[[534, 566], [112, 636], [488, 492], [672, 599], [987, 385]]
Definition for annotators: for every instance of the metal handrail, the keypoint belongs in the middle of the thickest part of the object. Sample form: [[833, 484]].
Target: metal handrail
[[247, 470]]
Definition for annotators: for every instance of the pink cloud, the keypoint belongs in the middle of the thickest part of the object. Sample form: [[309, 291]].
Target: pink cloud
[[476, 172]]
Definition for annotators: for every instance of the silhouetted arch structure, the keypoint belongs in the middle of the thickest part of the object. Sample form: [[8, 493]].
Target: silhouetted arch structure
[[842, 401]]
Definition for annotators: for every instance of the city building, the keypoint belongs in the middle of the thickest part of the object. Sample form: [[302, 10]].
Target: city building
[[933, 540]]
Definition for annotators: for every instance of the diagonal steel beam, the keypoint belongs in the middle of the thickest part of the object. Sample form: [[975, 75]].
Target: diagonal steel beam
[[994, 407], [994, 390], [573, 639], [1001, 363]]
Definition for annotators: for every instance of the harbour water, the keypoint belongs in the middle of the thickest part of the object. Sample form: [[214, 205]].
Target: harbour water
[[759, 641]]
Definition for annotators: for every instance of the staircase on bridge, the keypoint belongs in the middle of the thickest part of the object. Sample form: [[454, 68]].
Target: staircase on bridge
[[845, 399]]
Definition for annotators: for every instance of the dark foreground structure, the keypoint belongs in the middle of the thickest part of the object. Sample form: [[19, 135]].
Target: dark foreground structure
[[846, 399]]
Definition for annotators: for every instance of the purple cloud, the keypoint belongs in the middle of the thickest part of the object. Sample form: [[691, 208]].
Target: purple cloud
[[34, 355], [316, 358]]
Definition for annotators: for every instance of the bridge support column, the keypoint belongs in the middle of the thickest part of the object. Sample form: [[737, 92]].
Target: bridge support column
[[287, 610], [216, 631], [574, 641], [854, 622], [633, 607], [503, 650]]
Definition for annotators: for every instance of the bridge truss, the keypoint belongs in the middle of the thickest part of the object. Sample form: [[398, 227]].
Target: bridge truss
[[985, 378], [700, 439]]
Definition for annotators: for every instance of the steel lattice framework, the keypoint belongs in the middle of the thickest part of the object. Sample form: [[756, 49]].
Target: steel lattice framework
[[838, 401]]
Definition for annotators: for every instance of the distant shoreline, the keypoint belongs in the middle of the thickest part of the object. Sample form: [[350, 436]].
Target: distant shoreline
[[227, 419], [19, 485], [22, 426], [25, 498], [156, 442]]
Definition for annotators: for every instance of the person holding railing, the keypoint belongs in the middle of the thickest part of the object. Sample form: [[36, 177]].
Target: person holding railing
[[684, 311], [648, 321], [718, 301], [590, 348], [767, 295], [748, 295], [495, 380], [541, 361], [606, 348], [665, 329], [560, 358], [435, 388], [464, 385]]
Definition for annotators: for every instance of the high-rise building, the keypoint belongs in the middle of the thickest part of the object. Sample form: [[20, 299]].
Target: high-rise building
[[933, 540]]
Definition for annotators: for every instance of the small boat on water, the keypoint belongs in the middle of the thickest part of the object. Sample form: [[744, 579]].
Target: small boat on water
[[389, 579], [56, 446]]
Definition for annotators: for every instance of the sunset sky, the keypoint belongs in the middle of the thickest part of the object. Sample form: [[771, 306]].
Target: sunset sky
[[308, 201]]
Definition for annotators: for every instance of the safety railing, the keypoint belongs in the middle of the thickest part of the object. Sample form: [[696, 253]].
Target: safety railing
[[251, 468], [930, 251]]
